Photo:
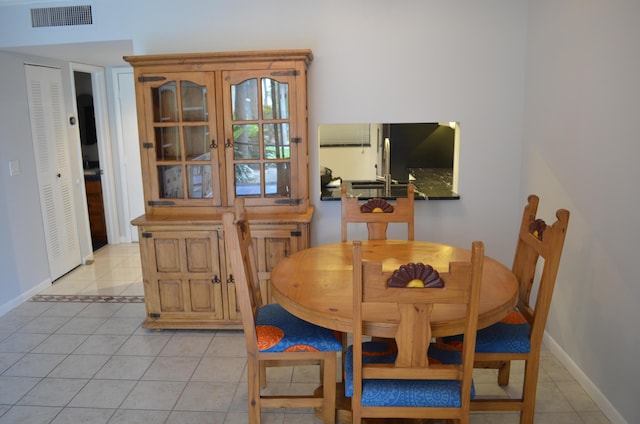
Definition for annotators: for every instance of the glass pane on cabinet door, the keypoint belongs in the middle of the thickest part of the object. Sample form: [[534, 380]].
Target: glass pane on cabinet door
[[244, 99], [167, 143], [170, 182], [194, 102], [199, 181], [247, 179], [276, 141], [165, 103], [275, 99], [277, 177], [246, 141], [196, 142]]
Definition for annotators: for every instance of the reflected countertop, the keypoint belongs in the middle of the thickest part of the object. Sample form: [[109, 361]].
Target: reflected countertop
[[430, 184]]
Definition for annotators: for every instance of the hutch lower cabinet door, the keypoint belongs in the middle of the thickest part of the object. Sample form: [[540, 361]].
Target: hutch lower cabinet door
[[184, 285], [188, 283]]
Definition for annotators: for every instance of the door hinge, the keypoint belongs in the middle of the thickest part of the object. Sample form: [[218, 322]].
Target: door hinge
[[296, 233], [288, 201], [161, 203], [146, 235], [151, 79], [147, 145], [293, 73], [154, 315], [296, 140]]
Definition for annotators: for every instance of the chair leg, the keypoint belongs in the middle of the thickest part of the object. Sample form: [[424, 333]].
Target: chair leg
[[529, 388], [328, 368], [503, 373], [253, 384]]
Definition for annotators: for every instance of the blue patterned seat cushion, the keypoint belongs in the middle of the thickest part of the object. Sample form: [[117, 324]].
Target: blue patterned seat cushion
[[510, 335], [415, 393], [280, 331]]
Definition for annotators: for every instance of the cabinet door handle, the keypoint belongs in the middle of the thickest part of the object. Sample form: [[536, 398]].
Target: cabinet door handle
[[230, 279], [228, 143], [213, 145], [215, 280]]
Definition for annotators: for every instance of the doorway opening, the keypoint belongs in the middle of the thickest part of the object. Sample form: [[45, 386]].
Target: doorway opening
[[90, 158]]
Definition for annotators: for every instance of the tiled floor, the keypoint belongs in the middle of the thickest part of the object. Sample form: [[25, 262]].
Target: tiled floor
[[70, 361]]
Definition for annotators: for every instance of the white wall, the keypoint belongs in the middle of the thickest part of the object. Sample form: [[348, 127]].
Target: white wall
[[581, 152], [543, 76], [23, 255]]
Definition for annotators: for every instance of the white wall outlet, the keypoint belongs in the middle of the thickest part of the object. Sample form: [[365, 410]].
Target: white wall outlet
[[14, 167]]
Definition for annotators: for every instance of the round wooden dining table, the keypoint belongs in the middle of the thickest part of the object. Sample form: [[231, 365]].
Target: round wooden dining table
[[316, 284]]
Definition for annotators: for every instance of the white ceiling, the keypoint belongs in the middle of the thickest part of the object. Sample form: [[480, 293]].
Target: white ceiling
[[102, 53], [15, 2]]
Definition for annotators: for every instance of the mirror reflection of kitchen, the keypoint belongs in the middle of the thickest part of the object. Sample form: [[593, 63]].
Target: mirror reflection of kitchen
[[425, 154]]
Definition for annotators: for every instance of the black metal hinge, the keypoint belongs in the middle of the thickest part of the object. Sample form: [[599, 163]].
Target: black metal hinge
[[296, 140], [147, 145], [151, 79], [285, 73], [296, 233], [154, 315], [146, 235]]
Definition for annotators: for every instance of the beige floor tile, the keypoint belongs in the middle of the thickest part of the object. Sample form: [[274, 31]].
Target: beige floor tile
[[101, 344], [187, 345], [221, 370], [165, 368], [29, 414], [13, 388], [79, 366], [34, 365], [103, 394], [206, 396], [157, 395], [53, 392], [125, 367], [190, 417], [125, 416], [83, 416]]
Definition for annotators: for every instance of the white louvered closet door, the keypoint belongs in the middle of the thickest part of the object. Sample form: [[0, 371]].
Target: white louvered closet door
[[49, 133]]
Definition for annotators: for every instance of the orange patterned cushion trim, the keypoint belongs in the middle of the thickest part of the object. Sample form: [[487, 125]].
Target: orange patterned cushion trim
[[268, 336]]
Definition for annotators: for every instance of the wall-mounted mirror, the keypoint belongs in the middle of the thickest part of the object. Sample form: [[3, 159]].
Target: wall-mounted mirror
[[425, 154]]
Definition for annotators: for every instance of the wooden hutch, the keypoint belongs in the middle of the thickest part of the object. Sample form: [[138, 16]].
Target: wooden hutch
[[215, 126]]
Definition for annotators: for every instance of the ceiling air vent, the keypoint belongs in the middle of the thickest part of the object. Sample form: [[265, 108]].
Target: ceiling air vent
[[61, 16]]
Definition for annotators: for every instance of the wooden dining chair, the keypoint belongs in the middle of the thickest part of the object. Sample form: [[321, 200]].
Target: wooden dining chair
[[409, 376], [519, 335], [377, 213], [275, 337]]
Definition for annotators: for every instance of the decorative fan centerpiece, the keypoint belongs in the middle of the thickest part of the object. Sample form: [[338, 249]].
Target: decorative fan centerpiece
[[376, 206], [537, 227], [415, 275]]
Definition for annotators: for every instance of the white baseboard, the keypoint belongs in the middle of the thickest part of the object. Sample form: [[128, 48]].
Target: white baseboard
[[592, 390], [6, 307]]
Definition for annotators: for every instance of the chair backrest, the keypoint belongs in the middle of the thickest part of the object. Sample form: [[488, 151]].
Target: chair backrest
[[538, 240], [377, 213], [242, 259], [374, 289]]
